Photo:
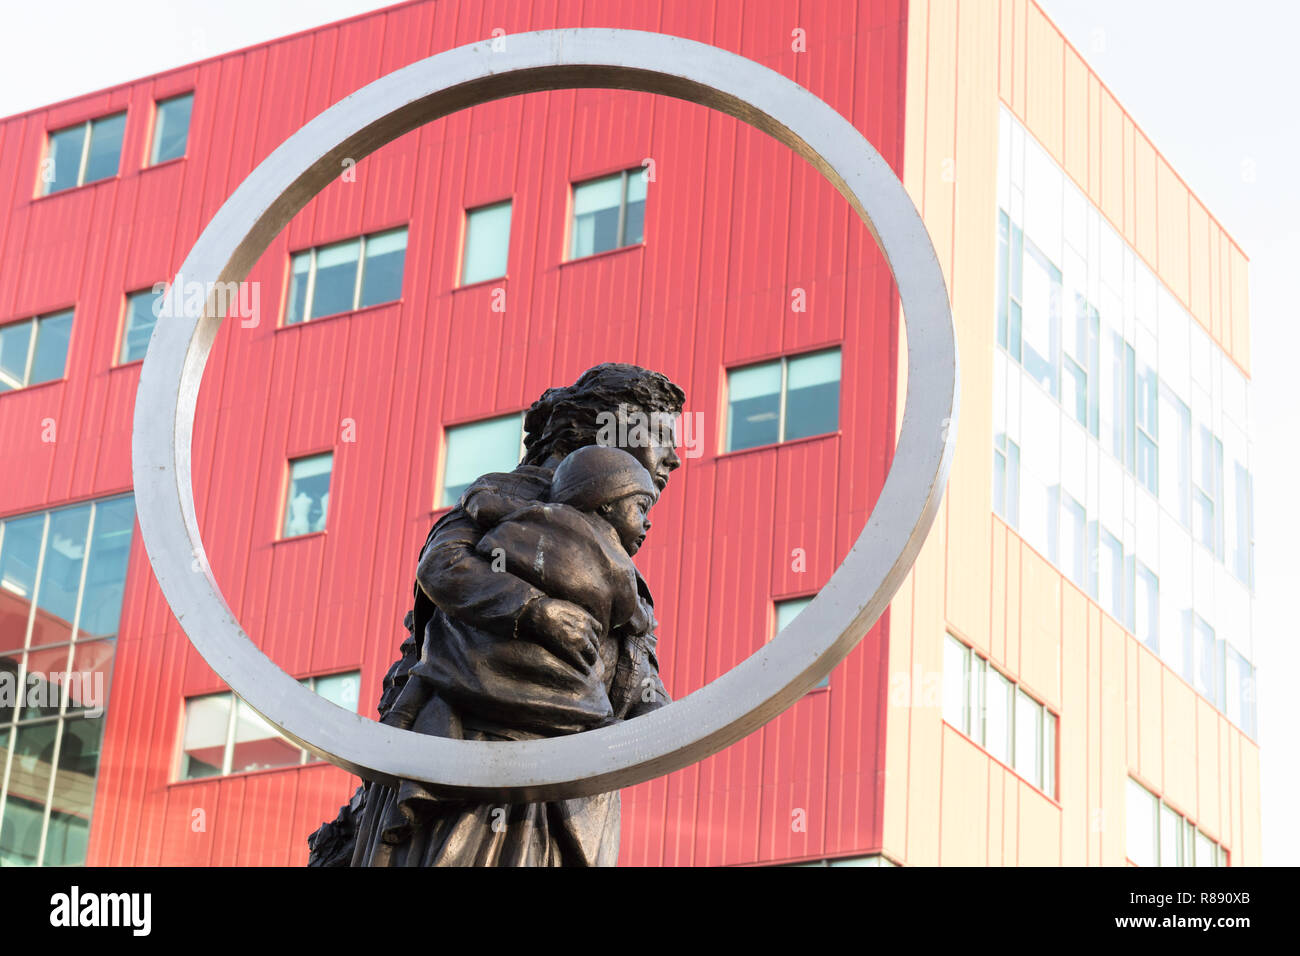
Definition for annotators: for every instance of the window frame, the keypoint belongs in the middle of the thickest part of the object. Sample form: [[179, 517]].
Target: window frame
[[120, 359], [33, 343], [151, 148], [624, 176], [288, 486], [440, 490], [305, 756], [782, 401], [358, 285], [461, 282], [87, 136], [1184, 849]]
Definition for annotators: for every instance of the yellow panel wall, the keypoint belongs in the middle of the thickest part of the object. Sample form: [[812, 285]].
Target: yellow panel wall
[[1122, 711]]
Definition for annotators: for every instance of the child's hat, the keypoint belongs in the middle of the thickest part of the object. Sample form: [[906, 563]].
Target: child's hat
[[595, 475]]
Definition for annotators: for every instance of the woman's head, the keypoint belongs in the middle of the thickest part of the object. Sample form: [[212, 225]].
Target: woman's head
[[573, 416]]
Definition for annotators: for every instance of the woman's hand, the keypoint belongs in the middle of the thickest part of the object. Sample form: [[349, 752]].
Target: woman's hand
[[564, 629]]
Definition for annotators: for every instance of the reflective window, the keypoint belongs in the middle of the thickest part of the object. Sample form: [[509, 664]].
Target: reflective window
[[223, 735], [782, 400], [307, 503], [608, 213], [487, 243], [480, 448], [171, 128], [787, 611], [345, 276], [141, 314], [62, 577], [34, 350], [83, 153]]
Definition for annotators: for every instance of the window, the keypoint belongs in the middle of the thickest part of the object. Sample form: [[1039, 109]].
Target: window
[[480, 448], [1143, 414], [487, 243], [83, 153], [224, 735], [998, 715], [1207, 491], [62, 577], [608, 213], [141, 314], [34, 350], [783, 400], [787, 611], [1158, 835], [1241, 692], [1042, 320], [1006, 479], [346, 276], [308, 499], [171, 128], [1204, 662], [1011, 243]]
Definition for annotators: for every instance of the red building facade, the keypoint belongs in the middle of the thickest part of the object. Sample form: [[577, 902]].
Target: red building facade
[[745, 256]]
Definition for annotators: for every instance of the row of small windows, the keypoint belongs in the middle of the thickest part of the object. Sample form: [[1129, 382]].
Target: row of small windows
[[1158, 835], [92, 151], [324, 280], [223, 735], [996, 713]]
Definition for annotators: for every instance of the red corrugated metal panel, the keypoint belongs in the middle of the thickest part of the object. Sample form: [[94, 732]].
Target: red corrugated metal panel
[[734, 223]]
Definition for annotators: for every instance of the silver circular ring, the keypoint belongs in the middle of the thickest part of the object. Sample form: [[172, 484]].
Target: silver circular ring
[[741, 700]]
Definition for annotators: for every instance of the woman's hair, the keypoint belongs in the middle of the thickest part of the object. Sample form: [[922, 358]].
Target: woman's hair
[[567, 418]]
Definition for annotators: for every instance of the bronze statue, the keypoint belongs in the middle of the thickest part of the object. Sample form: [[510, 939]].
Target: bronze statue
[[530, 620]]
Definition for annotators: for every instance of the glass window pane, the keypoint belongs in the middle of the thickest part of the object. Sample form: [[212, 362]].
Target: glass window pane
[[595, 216], [787, 611], [74, 792], [997, 717], [1171, 844], [171, 128], [29, 780], [479, 448], [385, 260], [336, 278], [487, 243], [15, 344], [1049, 754], [1140, 825], [1147, 608], [105, 147], [1042, 319], [92, 666], [141, 315], [295, 309], [1206, 851], [634, 217], [42, 689], [812, 404], [258, 745], [110, 548], [20, 552], [1029, 741], [341, 689], [309, 495], [753, 406], [65, 552], [63, 159], [956, 677], [52, 335], [207, 723]]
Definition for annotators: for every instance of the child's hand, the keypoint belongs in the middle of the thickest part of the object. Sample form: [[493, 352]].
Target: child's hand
[[564, 629]]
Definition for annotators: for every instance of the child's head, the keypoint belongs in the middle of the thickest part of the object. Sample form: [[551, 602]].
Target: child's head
[[611, 483]]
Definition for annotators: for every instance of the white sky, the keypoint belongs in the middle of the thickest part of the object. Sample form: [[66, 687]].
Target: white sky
[[1213, 85]]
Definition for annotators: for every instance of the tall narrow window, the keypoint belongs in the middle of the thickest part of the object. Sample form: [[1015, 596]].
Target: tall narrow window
[[608, 213], [479, 448], [345, 276], [307, 502], [171, 128], [34, 350], [487, 243], [787, 611], [138, 324], [83, 153], [783, 400]]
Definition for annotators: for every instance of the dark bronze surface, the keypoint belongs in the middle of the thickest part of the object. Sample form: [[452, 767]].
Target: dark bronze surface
[[530, 620]]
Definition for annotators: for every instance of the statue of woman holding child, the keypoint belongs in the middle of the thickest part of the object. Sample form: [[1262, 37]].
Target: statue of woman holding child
[[530, 620]]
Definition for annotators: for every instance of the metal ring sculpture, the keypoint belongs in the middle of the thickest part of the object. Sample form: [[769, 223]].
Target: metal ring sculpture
[[738, 702]]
